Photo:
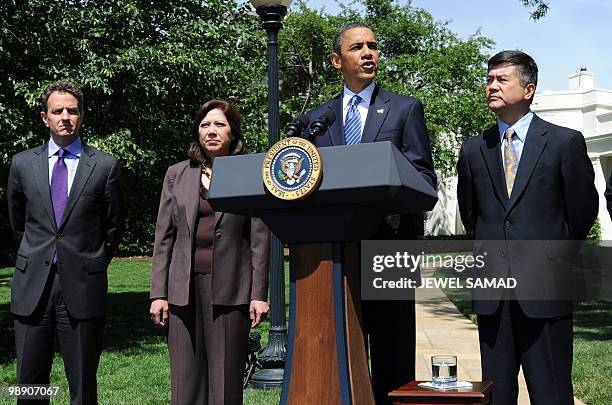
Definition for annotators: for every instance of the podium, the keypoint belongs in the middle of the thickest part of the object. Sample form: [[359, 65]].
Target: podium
[[326, 358]]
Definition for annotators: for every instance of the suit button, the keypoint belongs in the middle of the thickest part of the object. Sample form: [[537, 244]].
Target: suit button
[[503, 253], [508, 224], [58, 235], [218, 235]]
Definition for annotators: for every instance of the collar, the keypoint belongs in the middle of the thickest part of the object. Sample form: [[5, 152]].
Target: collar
[[74, 148], [365, 94], [520, 127]]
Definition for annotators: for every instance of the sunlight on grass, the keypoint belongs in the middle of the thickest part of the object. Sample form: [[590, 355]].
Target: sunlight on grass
[[134, 367]]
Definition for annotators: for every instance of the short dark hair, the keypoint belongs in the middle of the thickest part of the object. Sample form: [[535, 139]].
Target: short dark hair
[[337, 45], [526, 68], [62, 86], [196, 152]]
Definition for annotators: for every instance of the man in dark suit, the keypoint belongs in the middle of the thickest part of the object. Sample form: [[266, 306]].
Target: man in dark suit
[[367, 113], [525, 179], [65, 211], [608, 195]]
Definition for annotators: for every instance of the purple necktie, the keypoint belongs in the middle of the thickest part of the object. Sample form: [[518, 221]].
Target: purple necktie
[[59, 186]]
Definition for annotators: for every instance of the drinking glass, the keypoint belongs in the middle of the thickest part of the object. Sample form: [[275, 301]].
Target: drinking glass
[[444, 370]]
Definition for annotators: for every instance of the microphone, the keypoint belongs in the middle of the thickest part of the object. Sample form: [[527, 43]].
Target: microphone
[[320, 125], [295, 127]]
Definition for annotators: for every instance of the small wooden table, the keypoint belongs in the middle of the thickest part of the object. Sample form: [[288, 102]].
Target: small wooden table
[[411, 393]]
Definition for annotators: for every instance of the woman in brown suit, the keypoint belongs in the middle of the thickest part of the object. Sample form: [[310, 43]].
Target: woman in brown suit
[[209, 281]]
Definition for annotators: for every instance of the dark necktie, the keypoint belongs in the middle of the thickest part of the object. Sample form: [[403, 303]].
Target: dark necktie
[[59, 186]]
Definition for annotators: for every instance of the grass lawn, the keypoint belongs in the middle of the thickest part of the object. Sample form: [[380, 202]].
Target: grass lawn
[[134, 367], [593, 353]]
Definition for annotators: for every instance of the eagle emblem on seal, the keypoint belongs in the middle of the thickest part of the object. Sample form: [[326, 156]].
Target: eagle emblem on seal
[[291, 171]]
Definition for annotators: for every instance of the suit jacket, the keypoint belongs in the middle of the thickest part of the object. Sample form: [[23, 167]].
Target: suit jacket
[[85, 239], [241, 246], [553, 199], [608, 195], [394, 118]]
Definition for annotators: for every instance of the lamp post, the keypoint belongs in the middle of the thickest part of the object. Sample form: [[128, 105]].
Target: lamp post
[[272, 358]]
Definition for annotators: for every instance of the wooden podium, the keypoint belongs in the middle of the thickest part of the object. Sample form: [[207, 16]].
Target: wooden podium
[[326, 358]]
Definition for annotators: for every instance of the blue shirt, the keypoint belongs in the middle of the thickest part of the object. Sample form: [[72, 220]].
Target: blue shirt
[[521, 127], [71, 159]]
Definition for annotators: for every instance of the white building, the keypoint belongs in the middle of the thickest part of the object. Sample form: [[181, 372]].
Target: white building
[[584, 108]]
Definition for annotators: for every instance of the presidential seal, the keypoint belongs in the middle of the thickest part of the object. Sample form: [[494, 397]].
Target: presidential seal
[[292, 169]]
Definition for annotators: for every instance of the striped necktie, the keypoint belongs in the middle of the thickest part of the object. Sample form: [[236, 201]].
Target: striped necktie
[[510, 160], [352, 122]]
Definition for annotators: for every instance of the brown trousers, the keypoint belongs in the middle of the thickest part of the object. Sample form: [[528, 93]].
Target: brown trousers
[[208, 347]]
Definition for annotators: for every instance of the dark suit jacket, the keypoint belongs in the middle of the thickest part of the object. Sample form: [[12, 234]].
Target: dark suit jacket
[[241, 246], [394, 118], [85, 239], [553, 199], [608, 195]]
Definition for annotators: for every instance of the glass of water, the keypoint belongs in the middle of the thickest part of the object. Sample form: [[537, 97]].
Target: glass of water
[[444, 370]]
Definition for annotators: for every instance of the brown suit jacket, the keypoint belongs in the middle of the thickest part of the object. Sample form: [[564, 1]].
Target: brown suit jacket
[[241, 246]]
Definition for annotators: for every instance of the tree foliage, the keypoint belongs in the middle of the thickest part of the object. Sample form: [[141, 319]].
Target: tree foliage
[[420, 57], [146, 65], [540, 8]]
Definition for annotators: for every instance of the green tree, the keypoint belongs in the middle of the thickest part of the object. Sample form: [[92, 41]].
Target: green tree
[[540, 8], [146, 65], [595, 232], [420, 57]]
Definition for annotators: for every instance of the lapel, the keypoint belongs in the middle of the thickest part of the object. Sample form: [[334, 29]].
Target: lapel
[[377, 112], [189, 194], [336, 130], [218, 217], [40, 163], [490, 149], [532, 150], [83, 172]]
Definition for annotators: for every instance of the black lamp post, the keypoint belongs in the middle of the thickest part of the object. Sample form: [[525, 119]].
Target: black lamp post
[[272, 358]]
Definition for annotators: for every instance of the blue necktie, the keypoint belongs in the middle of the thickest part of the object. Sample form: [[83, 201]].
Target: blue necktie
[[352, 122]]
